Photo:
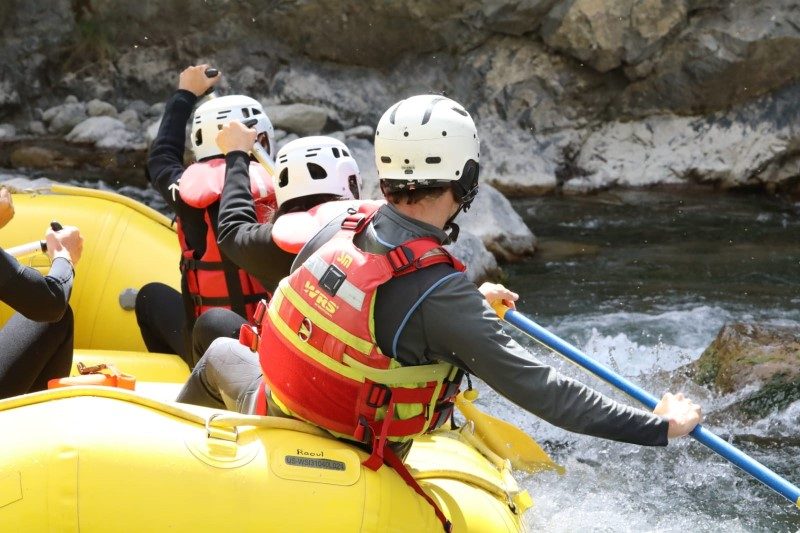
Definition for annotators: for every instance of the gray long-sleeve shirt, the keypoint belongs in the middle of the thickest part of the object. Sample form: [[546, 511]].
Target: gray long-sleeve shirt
[[39, 298], [449, 320]]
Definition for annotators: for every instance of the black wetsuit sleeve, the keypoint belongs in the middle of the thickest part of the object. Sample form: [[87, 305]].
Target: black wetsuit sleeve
[[244, 240], [165, 160], [459, 327], [39, 298]]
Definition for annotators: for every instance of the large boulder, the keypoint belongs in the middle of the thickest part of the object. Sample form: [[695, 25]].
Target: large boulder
[[609, 33], [762, 357], [62, 118], [754, 145], [104, 132], [725, 56], [303, 119]]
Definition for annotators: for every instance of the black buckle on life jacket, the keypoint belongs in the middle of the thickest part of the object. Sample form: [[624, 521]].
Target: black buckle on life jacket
[[400, 258], [378, 395], [197, 300]]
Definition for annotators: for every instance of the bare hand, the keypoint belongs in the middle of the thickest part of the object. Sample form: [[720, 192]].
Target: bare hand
[[682, 413], [236, 136], [6, 207], [194, 80], [66, 243], [494, 293]]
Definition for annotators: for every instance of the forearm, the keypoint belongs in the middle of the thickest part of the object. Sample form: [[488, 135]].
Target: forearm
[[475, 341], [165, 159], [240, 236], [39, 298]]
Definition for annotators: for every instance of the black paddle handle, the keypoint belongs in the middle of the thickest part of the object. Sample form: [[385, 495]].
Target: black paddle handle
[[55, 226], [210, 72]]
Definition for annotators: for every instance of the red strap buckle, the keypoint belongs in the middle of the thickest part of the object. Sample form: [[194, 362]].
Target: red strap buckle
[[261, 310], [400, 258], [354, 221], [248, 336]]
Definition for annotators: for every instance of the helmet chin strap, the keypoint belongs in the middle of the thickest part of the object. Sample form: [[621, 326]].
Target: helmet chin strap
[[451, 227]]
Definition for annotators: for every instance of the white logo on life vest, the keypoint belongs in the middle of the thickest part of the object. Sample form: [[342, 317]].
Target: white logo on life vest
[[319, 299]]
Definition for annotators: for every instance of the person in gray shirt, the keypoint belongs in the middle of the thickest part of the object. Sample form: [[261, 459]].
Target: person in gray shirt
[[427, 154]]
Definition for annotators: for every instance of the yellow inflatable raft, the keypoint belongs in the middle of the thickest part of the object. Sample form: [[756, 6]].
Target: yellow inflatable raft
[[126, 245], [104, 459]]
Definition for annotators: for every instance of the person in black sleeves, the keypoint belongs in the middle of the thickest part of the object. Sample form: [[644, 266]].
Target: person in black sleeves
[[36, 342], [208, 278]]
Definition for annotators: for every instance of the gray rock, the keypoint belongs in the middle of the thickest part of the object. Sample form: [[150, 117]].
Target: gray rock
[[608, 33], [338, 135], [286, 140], [364, 154], [98, 108], [156, 110], [360, 132], [7, 131], [492, 219], [516, 162], [130, 118], [8, 94], [744, 356], [140, 107], [302, 119], [151, 131], [37, 127], [71, 99], [726, 56], [514, 17], [279, 134], [103, 132], [480, 262], [61, 119], [750, 145]]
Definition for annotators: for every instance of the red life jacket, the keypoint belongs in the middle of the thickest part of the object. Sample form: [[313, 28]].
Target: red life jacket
[[292, 231], [318, 351], [212, 280]]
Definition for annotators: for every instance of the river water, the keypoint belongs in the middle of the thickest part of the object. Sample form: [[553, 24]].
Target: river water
[[643, 280]]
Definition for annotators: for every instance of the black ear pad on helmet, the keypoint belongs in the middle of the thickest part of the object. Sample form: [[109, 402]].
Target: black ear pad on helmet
[[466, 187]]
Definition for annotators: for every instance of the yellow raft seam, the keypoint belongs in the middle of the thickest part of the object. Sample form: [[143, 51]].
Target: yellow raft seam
[[116, 198], [223, 420]]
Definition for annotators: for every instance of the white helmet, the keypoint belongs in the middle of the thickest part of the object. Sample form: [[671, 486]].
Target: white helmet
[[428, 141], [316, 165], [215, 113]]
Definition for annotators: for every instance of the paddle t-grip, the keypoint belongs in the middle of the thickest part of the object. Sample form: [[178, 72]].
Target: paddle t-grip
[[259, 152], [210, 72]]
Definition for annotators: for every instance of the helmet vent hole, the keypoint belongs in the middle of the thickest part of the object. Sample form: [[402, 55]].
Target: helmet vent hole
[[316, 171], [256, 111], [198, 137], [335, 152], [433, 160], [444, 134], [283, 179], [405, 134], [345, 153], [405, 161], [460, 111], [246, 112], [386, 159], [352, 183], [458, 172]]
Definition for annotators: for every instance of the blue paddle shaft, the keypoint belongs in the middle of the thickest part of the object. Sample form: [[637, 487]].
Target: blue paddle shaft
[[701, 434]]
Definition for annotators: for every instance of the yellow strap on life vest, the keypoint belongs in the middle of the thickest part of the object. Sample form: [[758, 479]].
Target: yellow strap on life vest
[[318, 319], [352, 369]]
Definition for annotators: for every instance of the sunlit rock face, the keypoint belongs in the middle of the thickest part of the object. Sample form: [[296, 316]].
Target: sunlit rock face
[[760, 357], [568, 95]]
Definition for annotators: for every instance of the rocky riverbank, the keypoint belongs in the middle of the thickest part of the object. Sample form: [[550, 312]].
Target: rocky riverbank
[[570, 96]]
